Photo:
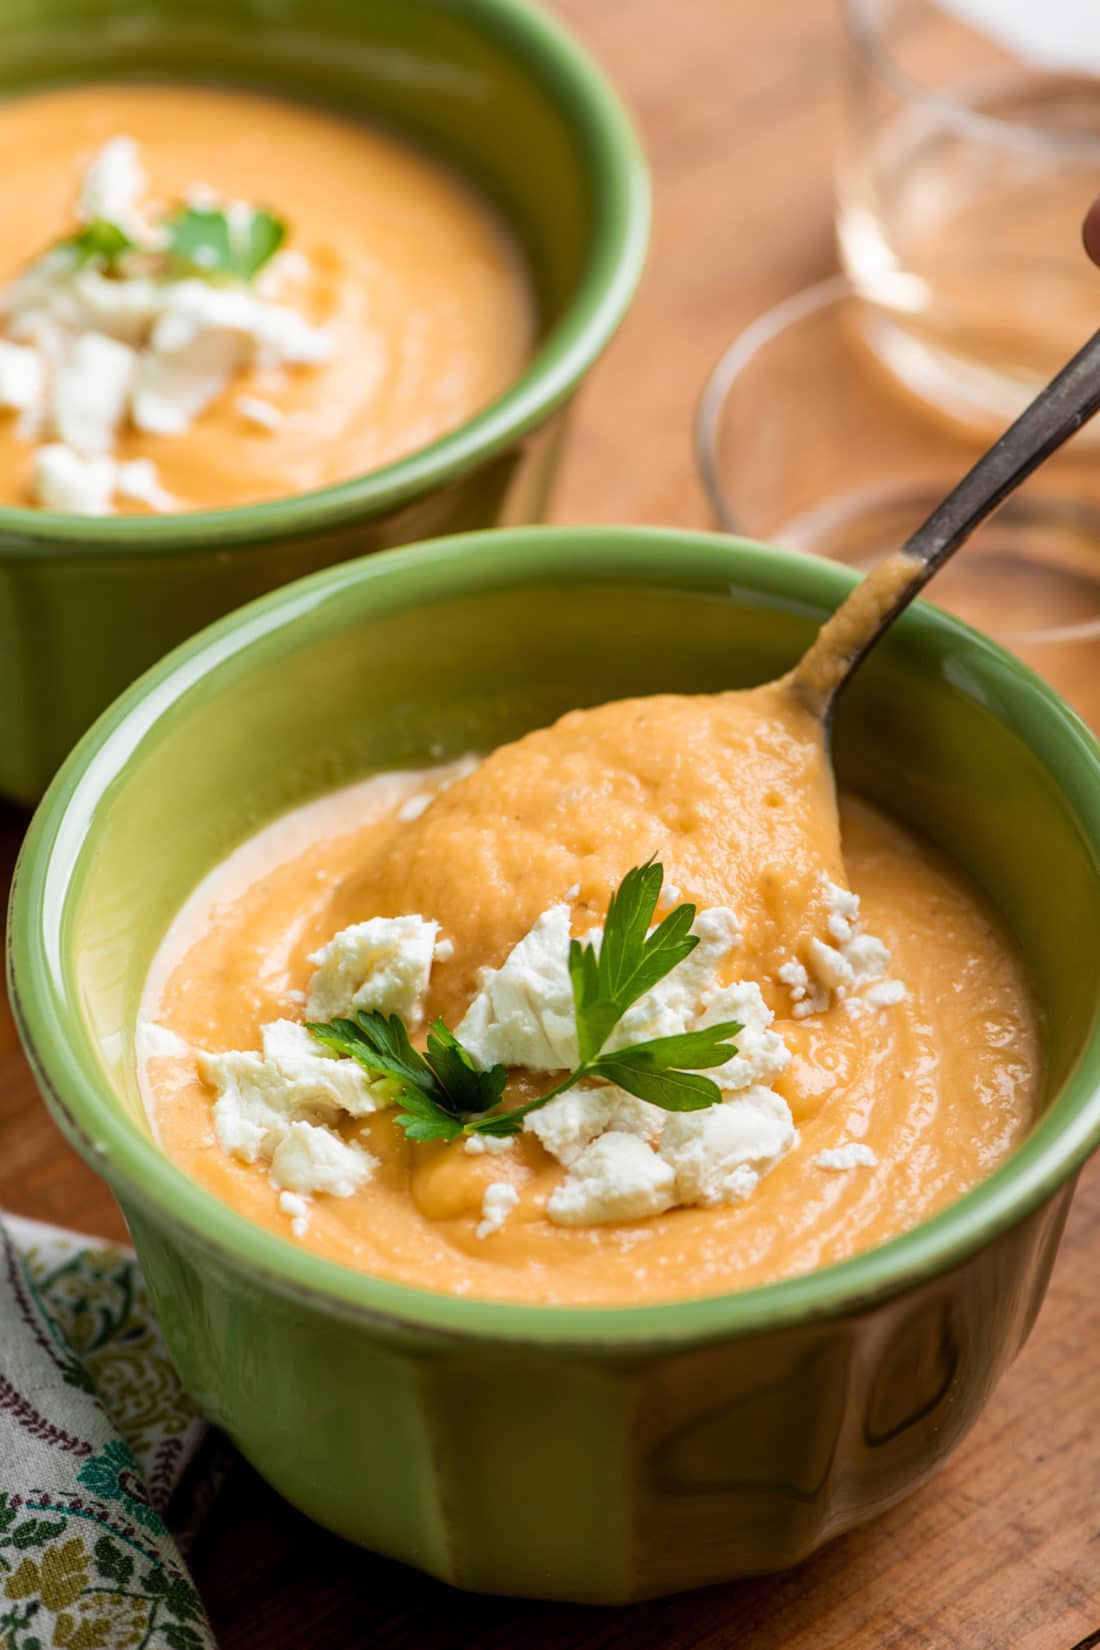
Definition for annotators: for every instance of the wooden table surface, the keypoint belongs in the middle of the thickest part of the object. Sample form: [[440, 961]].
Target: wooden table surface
[[1002, 1551]]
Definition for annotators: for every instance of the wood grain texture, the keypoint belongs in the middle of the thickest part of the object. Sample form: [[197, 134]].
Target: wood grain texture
[[1002, 1551]]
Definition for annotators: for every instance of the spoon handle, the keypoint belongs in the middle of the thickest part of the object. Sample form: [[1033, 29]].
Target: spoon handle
[[1056, 413]]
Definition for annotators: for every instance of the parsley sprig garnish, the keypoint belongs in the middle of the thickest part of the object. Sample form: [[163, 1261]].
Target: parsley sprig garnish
[[205, 241], [201, 241], [443, 1093], [100, 241]]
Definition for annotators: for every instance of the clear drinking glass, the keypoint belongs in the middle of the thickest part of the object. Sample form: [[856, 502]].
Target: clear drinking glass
[[965, 169], [806, 440]]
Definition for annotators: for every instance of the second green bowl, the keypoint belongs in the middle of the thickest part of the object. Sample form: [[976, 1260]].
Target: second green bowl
[[503, 94]]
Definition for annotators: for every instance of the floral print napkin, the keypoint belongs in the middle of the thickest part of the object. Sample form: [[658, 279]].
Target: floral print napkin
[[101, 1479]]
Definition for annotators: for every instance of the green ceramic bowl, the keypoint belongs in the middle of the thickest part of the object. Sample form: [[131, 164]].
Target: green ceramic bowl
[[588, 1453], [503, 93]]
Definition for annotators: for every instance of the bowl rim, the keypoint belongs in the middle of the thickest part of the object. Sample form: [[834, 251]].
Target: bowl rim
[[619, 177], [61, 1051]]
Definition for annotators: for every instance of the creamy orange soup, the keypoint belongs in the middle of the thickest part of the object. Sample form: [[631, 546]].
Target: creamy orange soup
[[734, 796], [422, 290]]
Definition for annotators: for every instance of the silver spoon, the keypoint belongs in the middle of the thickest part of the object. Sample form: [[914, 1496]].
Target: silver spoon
[[844, 640]]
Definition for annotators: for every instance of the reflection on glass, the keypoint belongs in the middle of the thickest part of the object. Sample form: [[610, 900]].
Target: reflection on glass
[[964, 174]]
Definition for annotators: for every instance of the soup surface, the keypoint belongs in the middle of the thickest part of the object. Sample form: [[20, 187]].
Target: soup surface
[[902, 1094], [422, 295]]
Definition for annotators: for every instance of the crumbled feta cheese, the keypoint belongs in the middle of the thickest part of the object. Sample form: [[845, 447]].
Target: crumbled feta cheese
[[184, 371], [21, 377], [297, 1207], [383, 963], [885, 994], [310, 1158], [113, 185], [273, 1107], [617, 1177], [567, 1126], [854, 959], [50, 297], [497, 1204], [258, 411], [843, 912], [806, 996], [444, 950], [137, 478], [720, 1153], [852, 1155], [831, 967], [489, 1145], [318, 1080], [63, 480], [523, 1013], [90, 391], [868, 958], [761, 1053], [260, 1095]]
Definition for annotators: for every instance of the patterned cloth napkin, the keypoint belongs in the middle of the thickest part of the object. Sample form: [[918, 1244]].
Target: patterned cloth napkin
[[101, 1477]]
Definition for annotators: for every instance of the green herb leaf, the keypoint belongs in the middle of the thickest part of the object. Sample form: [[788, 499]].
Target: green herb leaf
[[205, 241], [686, 1051], [630, 961], [100, 241], [433, 1089], [424, 1119], [672, 1090], [467, 1087], [504, 1123], [381, 1047], [266, 234]]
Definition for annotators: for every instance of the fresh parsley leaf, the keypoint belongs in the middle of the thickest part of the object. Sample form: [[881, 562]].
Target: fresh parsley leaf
[[435, 1090], [100, 241], [424, 1119], [381, 1047], [266, 234], [630, 960], [204, 240], [686, 1051], [467, 1087], [199, 239], [672, 1090], [503, 1123]]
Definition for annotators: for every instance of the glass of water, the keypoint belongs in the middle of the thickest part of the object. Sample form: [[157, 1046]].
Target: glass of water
[[805, 439], [970, 153]]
